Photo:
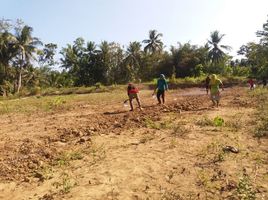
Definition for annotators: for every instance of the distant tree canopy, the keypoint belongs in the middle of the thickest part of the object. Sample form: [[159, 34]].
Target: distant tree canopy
[[26, 62], [256, 54]]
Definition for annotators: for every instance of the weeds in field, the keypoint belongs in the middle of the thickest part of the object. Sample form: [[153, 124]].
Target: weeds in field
[[262, 128], [203, 179], [65, 184], [44, 173], [179, 130], [205, 121], [4, 108], [146, 138], [56, 103], [173, 143], [245, 189], [234, 125], [97, 153], [65, 158], [214, 152], [171, 195], [157, 125]]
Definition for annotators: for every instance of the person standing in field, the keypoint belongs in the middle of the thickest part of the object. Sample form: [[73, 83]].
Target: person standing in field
[[214, 85], [251, 84], [207, 83], [132, 93], [161, 88]]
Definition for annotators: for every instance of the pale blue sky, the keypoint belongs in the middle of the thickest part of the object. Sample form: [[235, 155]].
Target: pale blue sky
[[122, 21]]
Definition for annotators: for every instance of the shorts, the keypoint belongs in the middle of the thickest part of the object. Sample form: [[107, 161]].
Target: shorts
[[133, 96]]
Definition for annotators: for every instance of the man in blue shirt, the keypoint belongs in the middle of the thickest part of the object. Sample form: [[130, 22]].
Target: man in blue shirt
[[162, 86]]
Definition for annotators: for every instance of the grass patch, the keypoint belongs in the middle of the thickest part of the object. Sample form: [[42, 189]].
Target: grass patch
[[60, 102], [245, 189], [213, 152], [166, 124], [261, 130], [65, 158], [205, 121], [65, 184]]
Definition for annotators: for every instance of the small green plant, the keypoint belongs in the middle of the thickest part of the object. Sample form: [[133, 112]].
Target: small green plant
[[66, 184], [218, 121], [205, 121], [56, 103], [97, 153], [173, 143], [245, 190]]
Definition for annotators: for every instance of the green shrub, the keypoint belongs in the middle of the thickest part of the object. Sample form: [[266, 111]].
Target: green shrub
[[218, 121]]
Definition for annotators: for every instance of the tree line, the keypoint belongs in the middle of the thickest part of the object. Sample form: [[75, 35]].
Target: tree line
[[26, 62]]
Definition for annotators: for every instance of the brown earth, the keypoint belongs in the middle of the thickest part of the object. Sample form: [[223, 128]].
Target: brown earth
[[103, 151]]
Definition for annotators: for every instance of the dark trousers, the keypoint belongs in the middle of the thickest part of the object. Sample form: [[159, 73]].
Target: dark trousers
[[160, 93]]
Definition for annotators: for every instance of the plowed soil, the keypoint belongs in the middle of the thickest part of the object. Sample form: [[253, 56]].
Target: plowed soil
[[101, 150]]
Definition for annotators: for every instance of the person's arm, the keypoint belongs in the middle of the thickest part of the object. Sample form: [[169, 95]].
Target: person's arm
[[222, 87], [166, 85]]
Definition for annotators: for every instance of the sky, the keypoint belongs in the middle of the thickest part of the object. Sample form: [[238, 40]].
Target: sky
[[123, 21]]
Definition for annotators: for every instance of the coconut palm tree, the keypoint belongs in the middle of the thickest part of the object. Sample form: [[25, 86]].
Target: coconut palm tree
[[133, 54], [133, 59], [26, 46], [7, 50], [154, 43], [216, 53]]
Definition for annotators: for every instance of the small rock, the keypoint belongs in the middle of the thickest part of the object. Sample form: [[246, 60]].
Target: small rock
[[82, 140]]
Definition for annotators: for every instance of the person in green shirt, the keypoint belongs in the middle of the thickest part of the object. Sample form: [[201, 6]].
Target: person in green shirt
[[214, 85], [161, 87]]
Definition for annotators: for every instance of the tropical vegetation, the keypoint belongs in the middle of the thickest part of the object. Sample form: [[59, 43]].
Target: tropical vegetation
[[27, 63]]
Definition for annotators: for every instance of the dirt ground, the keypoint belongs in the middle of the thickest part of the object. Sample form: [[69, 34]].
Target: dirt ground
[[100, 150]]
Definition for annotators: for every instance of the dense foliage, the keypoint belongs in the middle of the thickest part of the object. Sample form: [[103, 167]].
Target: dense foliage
[[27, 63]]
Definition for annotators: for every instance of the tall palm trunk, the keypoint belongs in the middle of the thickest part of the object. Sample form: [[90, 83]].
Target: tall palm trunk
[[20, 74], [19, 79]]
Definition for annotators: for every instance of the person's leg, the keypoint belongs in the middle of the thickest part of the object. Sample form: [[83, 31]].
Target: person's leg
[[213, 99], [138, 101], [130, 101], [158, 94], [131, 105], [163, 97], [218, 99]]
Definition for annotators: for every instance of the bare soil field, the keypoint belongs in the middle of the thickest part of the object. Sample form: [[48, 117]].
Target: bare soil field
[[90, 146]]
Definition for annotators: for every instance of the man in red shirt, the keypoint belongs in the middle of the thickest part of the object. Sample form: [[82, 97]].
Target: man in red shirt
[[251, 84], [132, 92]]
